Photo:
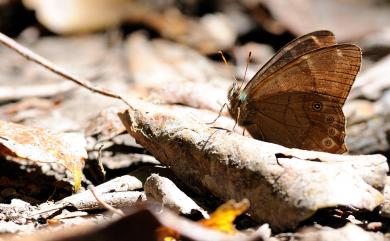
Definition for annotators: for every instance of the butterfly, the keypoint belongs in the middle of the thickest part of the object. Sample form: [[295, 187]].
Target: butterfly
[[296, 98]]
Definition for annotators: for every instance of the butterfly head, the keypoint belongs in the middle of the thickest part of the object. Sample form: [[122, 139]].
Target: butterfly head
[[233, 95], [236, 98]]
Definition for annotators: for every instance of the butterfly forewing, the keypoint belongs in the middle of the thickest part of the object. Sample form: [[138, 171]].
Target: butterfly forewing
[[294, 49], [328, 71]]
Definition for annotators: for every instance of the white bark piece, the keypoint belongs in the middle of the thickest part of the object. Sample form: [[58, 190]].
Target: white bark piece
[[166, 192]]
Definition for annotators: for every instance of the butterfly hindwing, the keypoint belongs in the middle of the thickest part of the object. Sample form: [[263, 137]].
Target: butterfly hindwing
[[301, 120]]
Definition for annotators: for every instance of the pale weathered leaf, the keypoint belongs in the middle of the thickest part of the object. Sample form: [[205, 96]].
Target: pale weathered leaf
[[40, 145]]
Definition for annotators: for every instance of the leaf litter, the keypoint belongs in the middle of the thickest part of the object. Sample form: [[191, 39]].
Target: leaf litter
[[170, 126]]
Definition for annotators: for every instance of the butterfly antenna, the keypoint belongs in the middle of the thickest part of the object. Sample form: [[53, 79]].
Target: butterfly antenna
[[223, 57], [246, 68], [226, 63]]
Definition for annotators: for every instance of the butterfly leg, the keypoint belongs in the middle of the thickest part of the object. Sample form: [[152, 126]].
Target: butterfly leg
[[208, 139], [219, 115], [238, 116]]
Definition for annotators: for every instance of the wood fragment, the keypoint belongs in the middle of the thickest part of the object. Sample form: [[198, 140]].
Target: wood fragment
[[118, 192], [88, 202], [166, 192]]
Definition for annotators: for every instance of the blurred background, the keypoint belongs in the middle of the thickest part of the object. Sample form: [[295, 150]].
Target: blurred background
[[205, 25], [168, 50]]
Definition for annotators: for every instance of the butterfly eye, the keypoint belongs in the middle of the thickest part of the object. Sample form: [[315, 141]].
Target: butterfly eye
[[329, 119], [317, 106]]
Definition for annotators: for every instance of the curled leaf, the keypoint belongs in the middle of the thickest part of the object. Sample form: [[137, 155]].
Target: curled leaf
[[40, 145]]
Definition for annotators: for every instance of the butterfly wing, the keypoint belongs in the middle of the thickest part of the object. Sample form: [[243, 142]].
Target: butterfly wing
[[318, 81], [300, 120], [295, 48], [328, 71]]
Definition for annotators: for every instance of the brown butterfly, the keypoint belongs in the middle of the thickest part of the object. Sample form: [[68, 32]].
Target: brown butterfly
[[296, 98]]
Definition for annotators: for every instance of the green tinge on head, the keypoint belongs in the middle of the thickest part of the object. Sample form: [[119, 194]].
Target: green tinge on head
[[243, 96]]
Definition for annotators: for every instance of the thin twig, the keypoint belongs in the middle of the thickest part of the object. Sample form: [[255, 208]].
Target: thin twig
[[103, 203], [28, 54], [49, 209]]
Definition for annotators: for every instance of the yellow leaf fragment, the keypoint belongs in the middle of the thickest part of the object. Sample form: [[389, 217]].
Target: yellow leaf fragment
[[40, 145], [222, 219]]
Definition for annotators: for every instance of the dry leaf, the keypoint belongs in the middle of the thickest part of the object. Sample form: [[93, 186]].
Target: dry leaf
[[221, 219], [40, 145]]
